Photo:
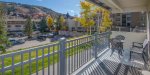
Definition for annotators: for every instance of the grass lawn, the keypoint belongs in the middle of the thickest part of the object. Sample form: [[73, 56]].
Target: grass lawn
[[53, 58]]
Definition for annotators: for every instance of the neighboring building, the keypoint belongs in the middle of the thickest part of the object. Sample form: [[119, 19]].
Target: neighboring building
[[128, 19], [74, 25], [15, 24]]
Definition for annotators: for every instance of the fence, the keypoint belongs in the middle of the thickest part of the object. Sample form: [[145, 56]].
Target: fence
[[70, 33], [128, 29], [61, 58]]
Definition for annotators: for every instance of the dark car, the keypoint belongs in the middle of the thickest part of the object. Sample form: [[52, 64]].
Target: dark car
[[42, 37]]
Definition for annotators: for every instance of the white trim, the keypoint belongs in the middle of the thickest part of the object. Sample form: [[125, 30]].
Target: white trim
[[148, 25], [148, 29]]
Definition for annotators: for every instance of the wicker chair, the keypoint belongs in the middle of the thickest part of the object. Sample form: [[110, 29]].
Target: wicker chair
[[140, 49]]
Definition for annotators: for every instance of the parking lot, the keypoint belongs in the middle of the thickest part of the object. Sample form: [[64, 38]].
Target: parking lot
[[28, 44]]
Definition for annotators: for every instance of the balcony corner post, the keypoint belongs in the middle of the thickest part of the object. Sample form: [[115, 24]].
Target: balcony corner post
[[62, 58], [95, 47]]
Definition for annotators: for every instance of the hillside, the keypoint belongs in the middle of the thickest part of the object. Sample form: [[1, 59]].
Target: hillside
[[24, 10]]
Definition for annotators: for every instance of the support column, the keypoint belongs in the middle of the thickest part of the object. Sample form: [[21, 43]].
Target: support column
[[148, 30]]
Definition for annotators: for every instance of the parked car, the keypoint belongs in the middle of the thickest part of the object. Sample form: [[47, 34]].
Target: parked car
[[10, 35], [20, 41], [16, 34], [20, 34], [12, 41], [42, 37], [50, 35], [56, 38]]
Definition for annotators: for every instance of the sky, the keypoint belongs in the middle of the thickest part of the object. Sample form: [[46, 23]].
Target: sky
[[61, 6]]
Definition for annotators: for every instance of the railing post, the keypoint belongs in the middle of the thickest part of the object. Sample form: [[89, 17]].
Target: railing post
[[95, 47], [62, 58], [119, 28], [109, 35], [130, 29]]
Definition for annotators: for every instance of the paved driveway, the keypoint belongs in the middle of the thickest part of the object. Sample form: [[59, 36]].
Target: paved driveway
[[28, 44]]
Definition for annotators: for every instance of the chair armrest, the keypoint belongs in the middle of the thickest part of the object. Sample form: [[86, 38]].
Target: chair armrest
[[136, 50], [136, 44]]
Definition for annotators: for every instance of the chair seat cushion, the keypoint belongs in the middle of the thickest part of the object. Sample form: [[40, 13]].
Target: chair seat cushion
[[136, 50]]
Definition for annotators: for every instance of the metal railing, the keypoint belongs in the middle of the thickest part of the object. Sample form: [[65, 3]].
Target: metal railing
[[128, 29], [61, 58]]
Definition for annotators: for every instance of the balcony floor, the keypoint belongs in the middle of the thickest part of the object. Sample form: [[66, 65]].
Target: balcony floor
[[113, 65]]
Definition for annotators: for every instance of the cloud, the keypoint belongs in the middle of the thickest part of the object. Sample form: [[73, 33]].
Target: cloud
[[71, 11]]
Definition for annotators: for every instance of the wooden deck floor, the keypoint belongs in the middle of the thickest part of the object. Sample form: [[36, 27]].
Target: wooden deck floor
[[113, 65]]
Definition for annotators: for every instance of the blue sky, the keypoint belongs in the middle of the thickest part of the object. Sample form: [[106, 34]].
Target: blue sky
[[62, 6]]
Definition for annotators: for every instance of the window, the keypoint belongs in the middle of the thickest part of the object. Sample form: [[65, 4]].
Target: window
[[118, 24], [128, 18], [117, 19], [17, 25], [128, 24], [118, 14], [9, 26], [73, 28], [79, 28]]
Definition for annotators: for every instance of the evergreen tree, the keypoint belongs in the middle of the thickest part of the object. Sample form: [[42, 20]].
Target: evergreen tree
[[58, 25], [29, 27], [3, 30], [34, 26], [43, 26]]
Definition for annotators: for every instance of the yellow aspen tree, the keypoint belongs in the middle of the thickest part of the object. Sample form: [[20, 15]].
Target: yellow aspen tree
[[91, 23], [87, 16], [50, 22], [106, 21]]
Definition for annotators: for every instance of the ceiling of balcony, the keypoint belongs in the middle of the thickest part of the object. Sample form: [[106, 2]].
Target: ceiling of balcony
[[118, 6]]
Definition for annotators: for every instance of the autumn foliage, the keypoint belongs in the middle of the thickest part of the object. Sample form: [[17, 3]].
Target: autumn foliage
[[50, 22], [89, 13]]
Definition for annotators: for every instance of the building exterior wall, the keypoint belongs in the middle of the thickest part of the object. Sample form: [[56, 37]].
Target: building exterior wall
[[18, 24], [136, 19], [76, 26], [128, 19], [117, 19], [71, 24]]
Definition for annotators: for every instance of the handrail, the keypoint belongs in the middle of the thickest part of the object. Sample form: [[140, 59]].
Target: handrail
[[74, 53]]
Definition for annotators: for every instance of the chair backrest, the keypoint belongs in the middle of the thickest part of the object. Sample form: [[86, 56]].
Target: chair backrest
[[145, 43], [113, 42]]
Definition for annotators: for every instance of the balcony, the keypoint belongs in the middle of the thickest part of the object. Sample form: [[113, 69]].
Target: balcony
[[87, 55]]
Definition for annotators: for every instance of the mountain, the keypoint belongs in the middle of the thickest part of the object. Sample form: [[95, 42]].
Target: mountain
[[24, 10]]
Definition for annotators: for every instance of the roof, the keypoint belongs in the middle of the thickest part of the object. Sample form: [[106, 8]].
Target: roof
[[98, 3], [121, 6]]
